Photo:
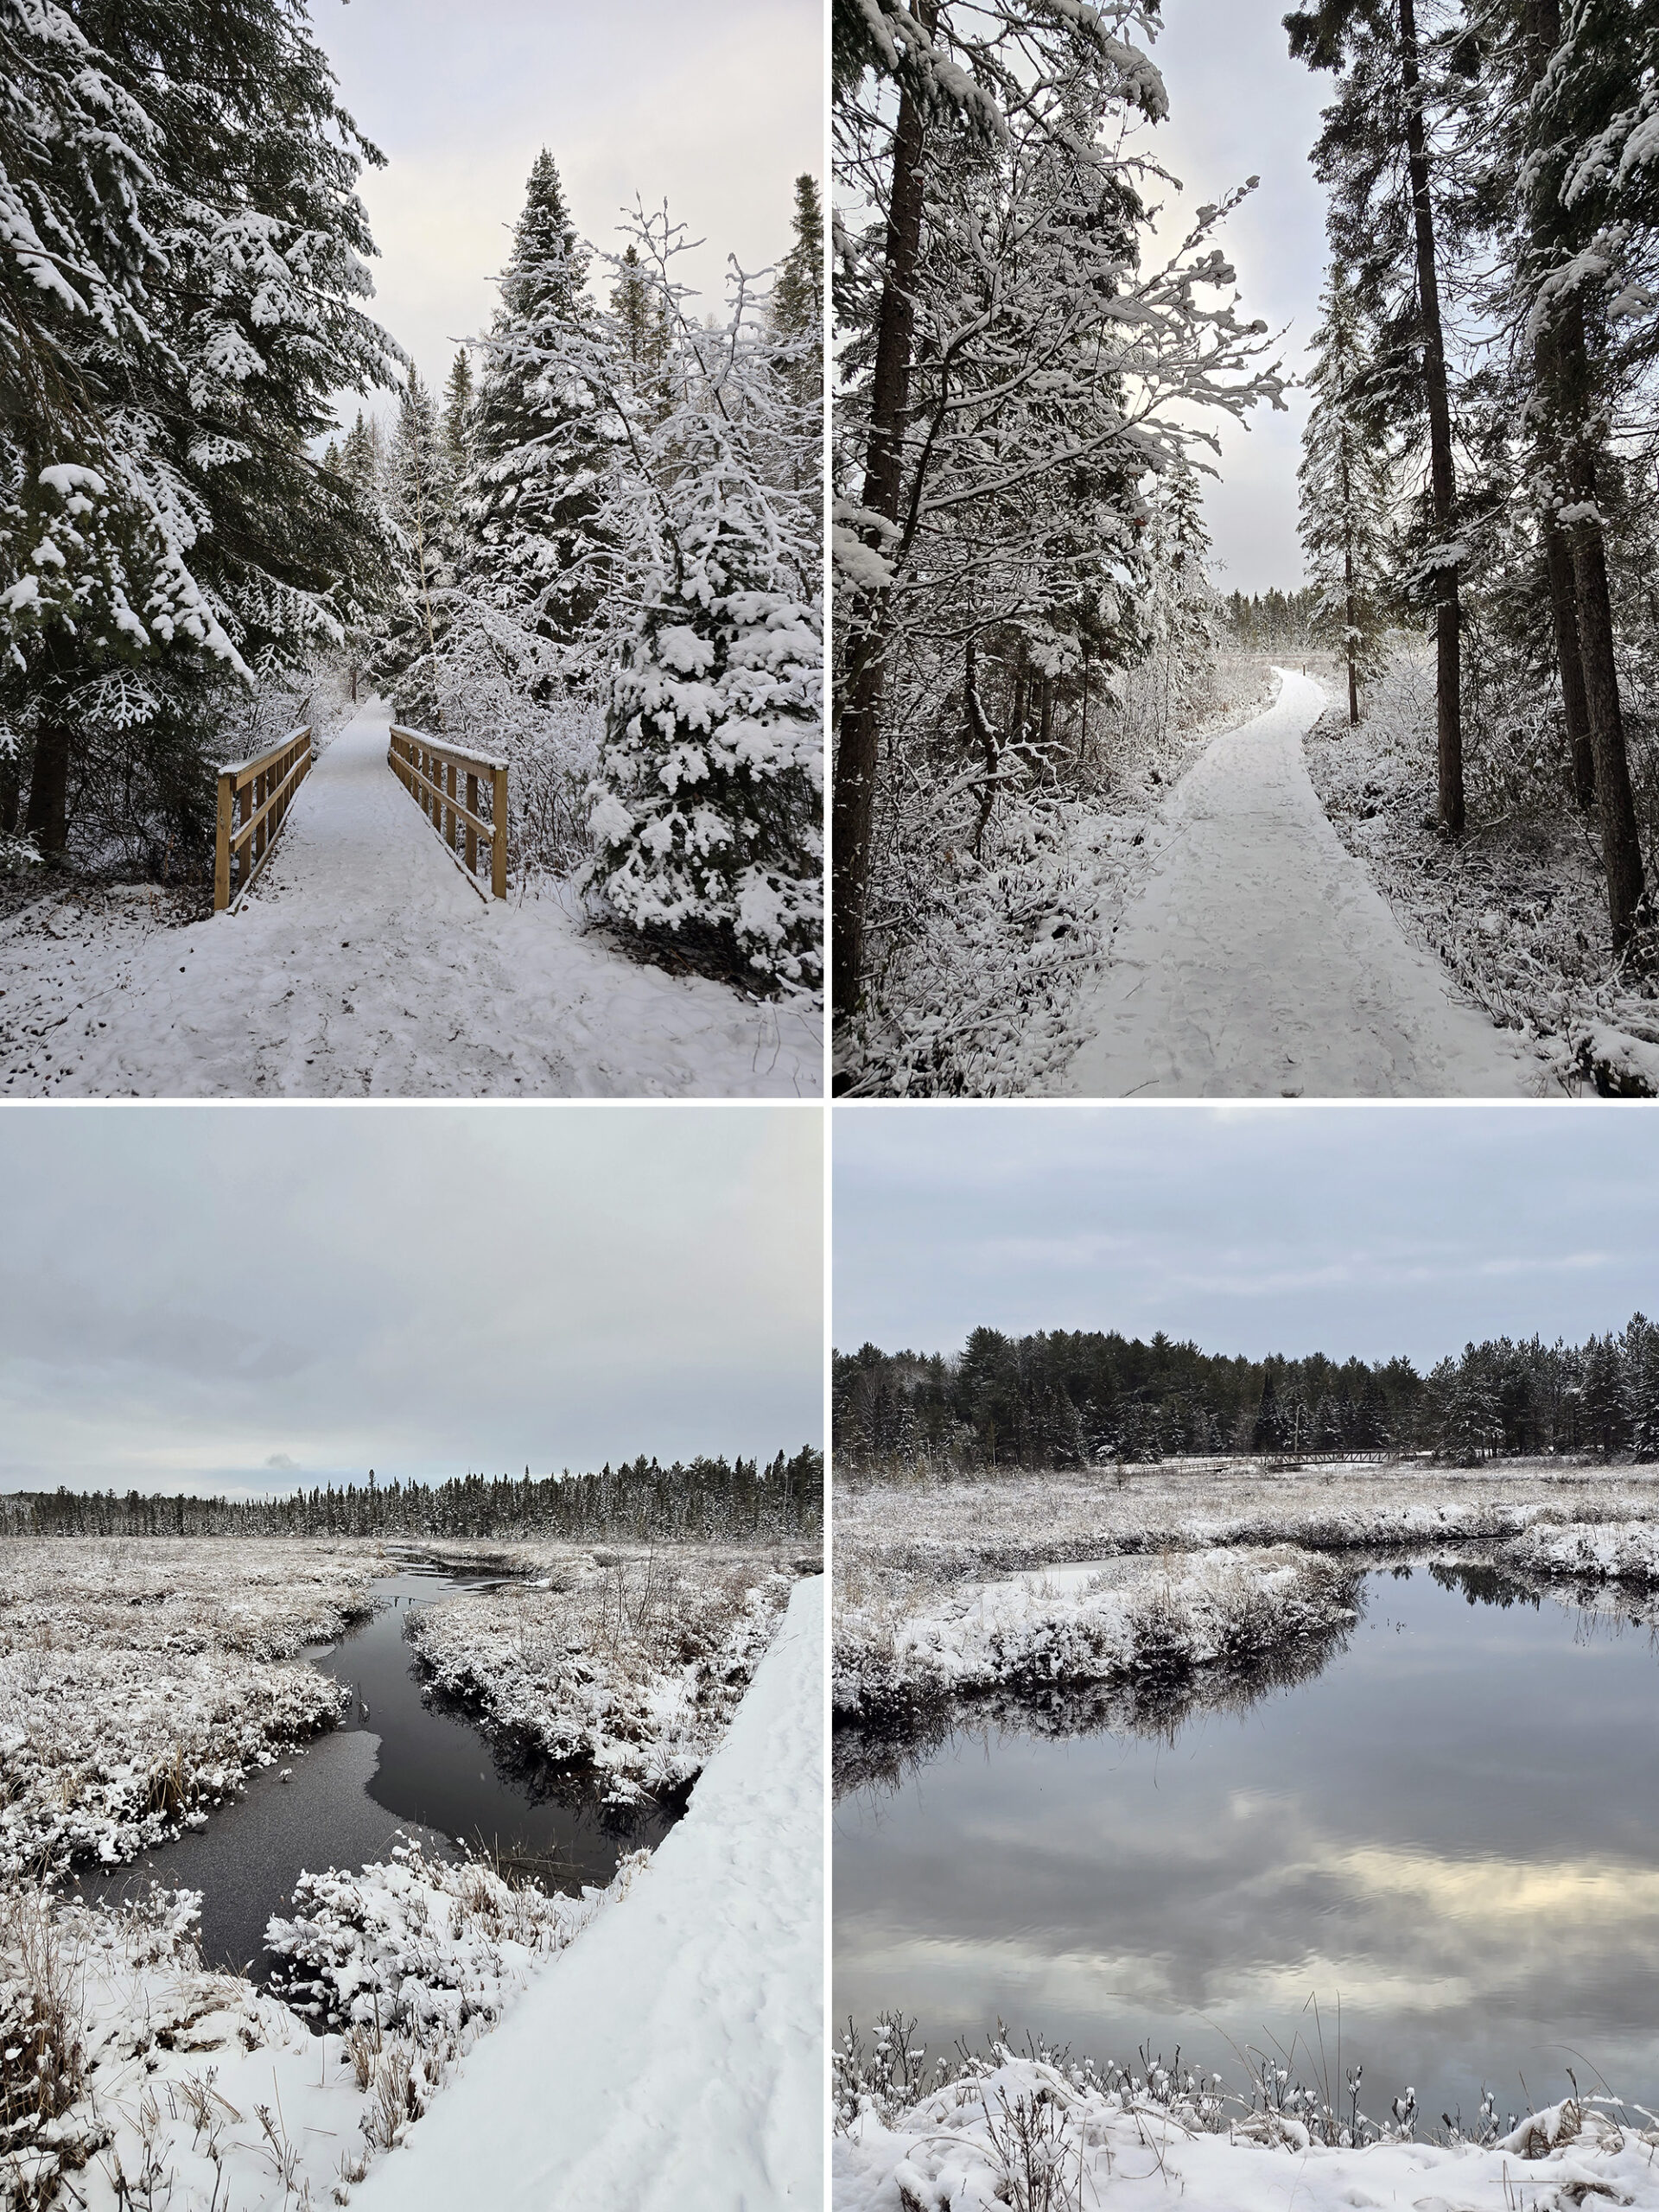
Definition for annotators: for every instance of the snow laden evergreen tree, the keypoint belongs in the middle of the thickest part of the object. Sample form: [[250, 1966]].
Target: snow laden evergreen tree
[[1382, 162], [1177, 606], [460, 394], [419, 488], [797, 307], [707, 808], [1015, 374], [538, 444], [1346, 489], [188, 254]]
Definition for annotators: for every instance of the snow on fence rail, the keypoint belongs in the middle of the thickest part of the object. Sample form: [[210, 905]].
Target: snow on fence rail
[[427, 769], [261, 789]]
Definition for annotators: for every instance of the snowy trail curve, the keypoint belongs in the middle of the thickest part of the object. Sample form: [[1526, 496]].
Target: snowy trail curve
[[1257, 960], [673, 2059], [362, 963]]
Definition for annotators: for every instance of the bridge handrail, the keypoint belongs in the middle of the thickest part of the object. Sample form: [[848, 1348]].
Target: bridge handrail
[[426, 766], [263, 788]]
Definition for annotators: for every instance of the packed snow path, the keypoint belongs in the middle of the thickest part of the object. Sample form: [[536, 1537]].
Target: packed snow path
[[673, 2059], [363, 964], [1257, 960]]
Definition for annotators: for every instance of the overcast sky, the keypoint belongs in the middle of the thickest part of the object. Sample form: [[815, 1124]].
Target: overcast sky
[[1365, 1230], [718, 108], [196, 1298], [1240, 107]]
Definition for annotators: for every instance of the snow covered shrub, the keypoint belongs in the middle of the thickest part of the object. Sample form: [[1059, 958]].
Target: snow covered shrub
[[711, 778], [418, 1948], [495, 686]]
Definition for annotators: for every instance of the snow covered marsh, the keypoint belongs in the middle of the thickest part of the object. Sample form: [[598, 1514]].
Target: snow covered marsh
[[134, 2074], [974, 1584], [142, 1682], [629, 1662], [1517, 909]]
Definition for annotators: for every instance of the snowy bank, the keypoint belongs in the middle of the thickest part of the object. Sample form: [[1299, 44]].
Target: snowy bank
[[1515, 910], [896, 1645], [672, 2062], [134, 2076], [630, 1661], [1102, 1575], [1036, 2131]]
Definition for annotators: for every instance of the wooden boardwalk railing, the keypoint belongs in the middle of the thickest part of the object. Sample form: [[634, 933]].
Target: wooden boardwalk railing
[[428, 768], [261, 791]]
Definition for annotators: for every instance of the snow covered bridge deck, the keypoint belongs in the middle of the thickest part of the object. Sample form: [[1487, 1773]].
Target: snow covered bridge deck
[[363, 964]]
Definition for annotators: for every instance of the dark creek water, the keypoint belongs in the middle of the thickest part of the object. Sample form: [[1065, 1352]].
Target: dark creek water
[[1452, 1827], [396, 1763]]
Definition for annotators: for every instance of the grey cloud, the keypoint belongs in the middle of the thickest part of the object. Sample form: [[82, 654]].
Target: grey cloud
[[429, 1290]]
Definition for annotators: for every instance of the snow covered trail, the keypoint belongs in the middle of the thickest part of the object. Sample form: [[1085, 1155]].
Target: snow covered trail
[[361, 964], [672, 2060], [1257, 960]]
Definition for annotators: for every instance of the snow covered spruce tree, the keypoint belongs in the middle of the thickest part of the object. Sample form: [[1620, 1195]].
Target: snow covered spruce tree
[[187, 254], [538, 443], [1346, 489], [1014, 385], [707, 807]]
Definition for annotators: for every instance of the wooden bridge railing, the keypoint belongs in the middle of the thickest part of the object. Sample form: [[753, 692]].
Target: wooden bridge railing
[[260, 790], [429, 770]]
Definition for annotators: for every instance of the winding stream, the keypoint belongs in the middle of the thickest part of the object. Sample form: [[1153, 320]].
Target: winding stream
[[398, 1762], [1452, 1827]]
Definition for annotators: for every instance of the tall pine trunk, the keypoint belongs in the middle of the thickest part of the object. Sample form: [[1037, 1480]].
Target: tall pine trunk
[[1621, 848], [1442, 474], [1566, 393], [1564, 617], [858, 736]]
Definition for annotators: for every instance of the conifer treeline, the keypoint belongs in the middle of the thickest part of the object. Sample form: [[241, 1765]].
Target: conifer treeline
[[700, 1501], [1065, 1399]]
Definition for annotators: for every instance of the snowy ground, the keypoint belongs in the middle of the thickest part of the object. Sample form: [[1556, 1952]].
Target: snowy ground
[[1517, 910], [1040, 2131], [141, 1681], [1257, 960], [1023, 1579], [148, 2081], [362, 964], [632, 1661], [672, 2061]]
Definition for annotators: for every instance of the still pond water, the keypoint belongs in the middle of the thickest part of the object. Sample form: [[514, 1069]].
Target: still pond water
[[1452, 1827], [396, 1763]]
